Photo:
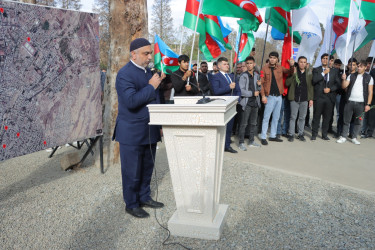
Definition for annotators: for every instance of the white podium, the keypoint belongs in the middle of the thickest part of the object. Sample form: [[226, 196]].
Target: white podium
[[194, 136]]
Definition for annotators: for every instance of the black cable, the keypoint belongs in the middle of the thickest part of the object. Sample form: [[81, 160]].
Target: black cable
[[156, 198]]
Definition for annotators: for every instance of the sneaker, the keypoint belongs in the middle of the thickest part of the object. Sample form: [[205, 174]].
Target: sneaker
[[264, 142], [301, 138], [355, 141], [253, 144], [341, 140], [291, 138], [242, 147]]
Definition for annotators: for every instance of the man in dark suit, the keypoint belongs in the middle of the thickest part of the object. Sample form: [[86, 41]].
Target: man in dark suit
[[136, 87], [325, 81], [224, 85]]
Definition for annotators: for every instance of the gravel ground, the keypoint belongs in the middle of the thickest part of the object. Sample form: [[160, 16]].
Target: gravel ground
[[43, 207]]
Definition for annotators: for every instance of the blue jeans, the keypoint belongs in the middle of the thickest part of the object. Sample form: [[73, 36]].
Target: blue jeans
[[272, 107], [284, 114]]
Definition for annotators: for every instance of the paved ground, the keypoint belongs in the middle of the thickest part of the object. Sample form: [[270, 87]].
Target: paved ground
[[42, 207], [347, 164]]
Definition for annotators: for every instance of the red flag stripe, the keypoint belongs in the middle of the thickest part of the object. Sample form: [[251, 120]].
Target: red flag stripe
[[156, 49], [369, 1], [213, 18], [212, 46], [192, 6], [248, 6]]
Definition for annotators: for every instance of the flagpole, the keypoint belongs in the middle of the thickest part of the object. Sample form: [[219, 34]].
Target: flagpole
[[291, 21], [182, 34], [195, 32], [198, 66], [346, 49], [265, 40], [237, 57], [331, 33]]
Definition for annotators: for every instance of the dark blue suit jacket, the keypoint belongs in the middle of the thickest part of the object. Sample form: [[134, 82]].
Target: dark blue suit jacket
[[220, 85], [134, 94]]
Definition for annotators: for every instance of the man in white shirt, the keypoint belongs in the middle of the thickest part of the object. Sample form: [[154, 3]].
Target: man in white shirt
[[358, 100]]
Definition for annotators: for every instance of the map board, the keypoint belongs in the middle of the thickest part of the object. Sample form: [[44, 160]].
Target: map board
[[50, 91]]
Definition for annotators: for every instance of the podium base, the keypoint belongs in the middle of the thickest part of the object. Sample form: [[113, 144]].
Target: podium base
[[199, 230]]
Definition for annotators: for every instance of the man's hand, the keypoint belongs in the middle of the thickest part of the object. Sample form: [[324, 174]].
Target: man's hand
[[155, 80], [343, 77], [163, 76], [259, 82], [232, 85], [291, 62], [264, 99], [188, 87], [256, 93], [311, 102], [367, 108], [326, 71], [327, 90], [187, 75]]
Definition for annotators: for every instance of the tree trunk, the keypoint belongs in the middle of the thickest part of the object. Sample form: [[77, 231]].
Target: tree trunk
[[128, 20]]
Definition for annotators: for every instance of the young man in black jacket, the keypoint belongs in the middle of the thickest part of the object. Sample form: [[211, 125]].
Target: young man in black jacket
[[180, 79]]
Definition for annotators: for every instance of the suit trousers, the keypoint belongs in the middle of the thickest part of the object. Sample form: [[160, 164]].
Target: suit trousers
[[352, 110], [228, 132], [137, 166], [322, 107], [249, 119]]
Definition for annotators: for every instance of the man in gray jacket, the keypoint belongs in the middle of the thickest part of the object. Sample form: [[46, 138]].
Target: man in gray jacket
[[250, 86]]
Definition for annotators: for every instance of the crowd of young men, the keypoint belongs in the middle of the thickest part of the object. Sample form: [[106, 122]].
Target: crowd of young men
[[266, 99]]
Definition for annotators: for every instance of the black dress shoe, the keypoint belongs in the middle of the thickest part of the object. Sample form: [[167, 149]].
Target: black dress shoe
[[230, 150], [291, 138], [137, 212], [313, 137], [275, 139], [326, 138], [151, 203], [264, 142], [301, 138]]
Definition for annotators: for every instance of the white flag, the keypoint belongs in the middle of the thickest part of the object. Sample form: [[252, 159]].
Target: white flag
[[309, 44], [328, 41], [307, 22], [372, 51], [355, 33]]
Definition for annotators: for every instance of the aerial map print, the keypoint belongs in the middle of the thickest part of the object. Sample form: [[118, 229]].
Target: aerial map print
[[50, 91]]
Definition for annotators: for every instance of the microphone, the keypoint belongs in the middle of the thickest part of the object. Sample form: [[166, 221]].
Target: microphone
[[204, 100]]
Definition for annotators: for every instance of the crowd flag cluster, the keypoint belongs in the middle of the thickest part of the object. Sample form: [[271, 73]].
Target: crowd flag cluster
[[349, 27]]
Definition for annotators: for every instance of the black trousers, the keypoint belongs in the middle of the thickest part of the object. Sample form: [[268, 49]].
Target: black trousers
[[249, 120], [322, 107], [352, 110]]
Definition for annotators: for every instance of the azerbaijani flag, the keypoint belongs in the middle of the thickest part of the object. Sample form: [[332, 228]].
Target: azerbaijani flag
[[281, 21], [367, 9], [285, 56], [246, 43], [164, 57], [190, 18], [206, 24], [234, 8], [284, 4], [210, 45]]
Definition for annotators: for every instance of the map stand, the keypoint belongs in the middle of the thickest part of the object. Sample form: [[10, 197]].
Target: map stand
[[91, 142]]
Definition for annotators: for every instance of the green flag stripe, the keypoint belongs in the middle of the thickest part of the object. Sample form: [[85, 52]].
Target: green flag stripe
[[370, 28], [277, 20], [190, 20]]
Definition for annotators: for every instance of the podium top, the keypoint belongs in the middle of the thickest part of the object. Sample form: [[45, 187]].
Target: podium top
[[185, 111]]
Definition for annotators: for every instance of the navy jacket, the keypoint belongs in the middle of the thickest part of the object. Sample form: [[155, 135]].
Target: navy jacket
[[134, 94], [220, 85]]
